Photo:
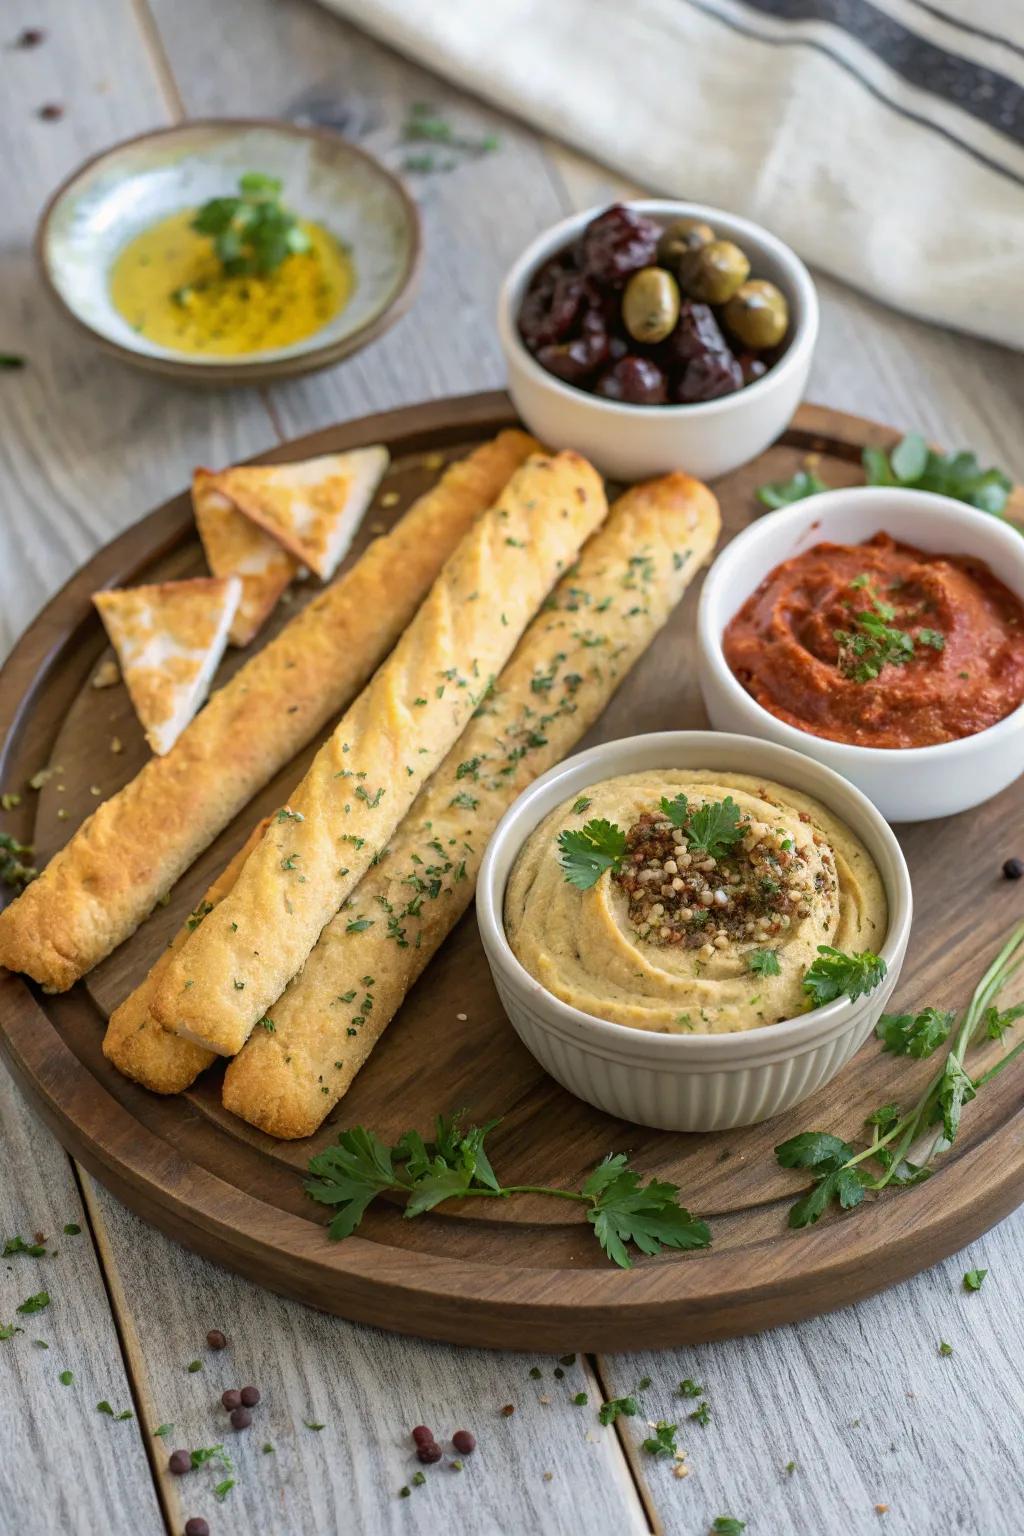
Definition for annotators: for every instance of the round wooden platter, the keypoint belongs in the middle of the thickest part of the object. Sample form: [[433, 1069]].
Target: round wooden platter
[[491, 1273]]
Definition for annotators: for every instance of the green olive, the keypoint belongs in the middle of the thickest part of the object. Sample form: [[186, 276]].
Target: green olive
[[680, 240], [718, 270], [650, 304], [757, 314]]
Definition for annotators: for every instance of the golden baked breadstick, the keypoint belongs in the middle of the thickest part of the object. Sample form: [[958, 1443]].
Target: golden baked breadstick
[[574, 655], [107, 879], [140, 1047], [385, 747]]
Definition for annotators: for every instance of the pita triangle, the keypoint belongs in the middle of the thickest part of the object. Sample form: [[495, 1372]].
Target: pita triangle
[[236, 546], [169, 639], [313, 508]]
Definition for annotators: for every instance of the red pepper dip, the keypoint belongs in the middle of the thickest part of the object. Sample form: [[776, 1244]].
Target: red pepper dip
[[881, 645]]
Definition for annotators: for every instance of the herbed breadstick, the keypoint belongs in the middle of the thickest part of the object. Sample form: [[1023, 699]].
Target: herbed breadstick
[[601, 618], [140, 1047], [96, 891], [387, 744]]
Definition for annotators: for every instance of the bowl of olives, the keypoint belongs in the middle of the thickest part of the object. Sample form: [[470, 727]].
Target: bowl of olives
[[658, 335]]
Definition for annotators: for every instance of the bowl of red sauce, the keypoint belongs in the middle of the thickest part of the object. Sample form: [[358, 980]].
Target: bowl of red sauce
[[880, 631]]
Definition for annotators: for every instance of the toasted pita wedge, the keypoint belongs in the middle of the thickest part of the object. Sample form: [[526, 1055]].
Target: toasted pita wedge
[[235, 546], [313, 509], [169, 639]]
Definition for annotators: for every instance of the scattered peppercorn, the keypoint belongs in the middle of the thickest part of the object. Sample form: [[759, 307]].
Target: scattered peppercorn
[[180, 1461], [232, 1398], [52, 112], [197, 1526], [464, 1441], [428, 1453], [216, 1339], [31, 37], [241, 1418], [422, 1435], [1013, 869], [250, 1396]]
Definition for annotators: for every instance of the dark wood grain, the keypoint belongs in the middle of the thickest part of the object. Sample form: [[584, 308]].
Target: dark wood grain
[[476, 1274]]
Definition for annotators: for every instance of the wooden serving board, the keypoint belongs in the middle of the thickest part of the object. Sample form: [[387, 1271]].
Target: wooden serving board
[[491, 1273]]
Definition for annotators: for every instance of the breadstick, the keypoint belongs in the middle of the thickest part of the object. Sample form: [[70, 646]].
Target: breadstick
[[387, 744], [140, 1047], [572, 658], [96, 891]]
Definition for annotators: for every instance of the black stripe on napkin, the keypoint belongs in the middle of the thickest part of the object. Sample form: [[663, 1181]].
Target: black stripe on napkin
[[968, 28], [707, 9], [992, 98]]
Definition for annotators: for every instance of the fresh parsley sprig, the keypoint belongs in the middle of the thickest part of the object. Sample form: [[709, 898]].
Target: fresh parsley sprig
[[252, 233], [835, 974], [843, 1173], [911, 463], [710, 829], [455, 1165]]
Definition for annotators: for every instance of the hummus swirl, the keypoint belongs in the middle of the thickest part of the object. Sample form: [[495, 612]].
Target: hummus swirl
[[593, 949]]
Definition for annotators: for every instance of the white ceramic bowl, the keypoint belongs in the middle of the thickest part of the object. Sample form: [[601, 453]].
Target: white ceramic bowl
[[906, 784], [687, 1082], [633, 442]]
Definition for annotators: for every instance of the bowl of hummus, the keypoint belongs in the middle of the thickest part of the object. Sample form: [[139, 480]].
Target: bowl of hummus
[[693, 930]]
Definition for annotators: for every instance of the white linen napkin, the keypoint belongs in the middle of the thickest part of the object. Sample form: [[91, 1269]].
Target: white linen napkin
[[883, 139]]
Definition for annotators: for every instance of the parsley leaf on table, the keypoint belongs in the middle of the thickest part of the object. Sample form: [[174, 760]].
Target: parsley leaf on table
[[663, 1441], [728, 1525], [974, 1279], [616, 1406], [455, 1165], [835, 974], [35, 1303], [916, 1035], [958, 475], [585, 854], [18, 1245]]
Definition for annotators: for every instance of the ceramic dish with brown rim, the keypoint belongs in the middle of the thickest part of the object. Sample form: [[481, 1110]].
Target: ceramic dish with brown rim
[[360, 207]]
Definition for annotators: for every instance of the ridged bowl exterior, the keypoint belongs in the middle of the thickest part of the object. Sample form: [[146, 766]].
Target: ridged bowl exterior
[[688, 1082]]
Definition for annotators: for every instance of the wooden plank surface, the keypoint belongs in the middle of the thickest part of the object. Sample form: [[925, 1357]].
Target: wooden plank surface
[[87, 447]]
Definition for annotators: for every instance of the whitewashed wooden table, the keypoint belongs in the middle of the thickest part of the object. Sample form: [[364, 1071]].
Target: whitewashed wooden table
[[886, 1434]]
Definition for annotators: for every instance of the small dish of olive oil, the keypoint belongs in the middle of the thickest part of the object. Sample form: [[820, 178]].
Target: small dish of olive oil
[[227, 252]]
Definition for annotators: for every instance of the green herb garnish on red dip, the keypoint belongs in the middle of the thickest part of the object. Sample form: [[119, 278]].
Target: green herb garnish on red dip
[[904, 1143], [454, 1166]]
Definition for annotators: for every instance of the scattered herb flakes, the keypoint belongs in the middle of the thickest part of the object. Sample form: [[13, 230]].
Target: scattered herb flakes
[[36, 1303], [8, 1330], [567, 1359], [790, 1468], [359, 925], [222, 1489], [944, 1348], [728, 1525], [72, 1229], [620, 1210], [39, 1343], [617, 1407], [267, 1448], [15, 1245], [104, 1407], [688, 1388], [581, 1399], [11, 360], [643, 1383], [210, 1453], [835, 974], [974, 1279], [702, 1415], [405, 1491], [582, 804], [162, 1431], [193, 1366], [66, 1378], [663, 1441], [535, 1373], [311, 1424], [13, 870]]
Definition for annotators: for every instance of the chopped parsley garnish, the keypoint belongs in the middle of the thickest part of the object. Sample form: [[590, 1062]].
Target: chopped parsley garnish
[[873, 643], [455, 1166], [690, 1388], [18, 1245], [37, 1303], [663, 1441], [835, 974], [974, 1279], [764, 962], [585, 854], [66, 1378], [252, 233], [359, 925], [710, 829]]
